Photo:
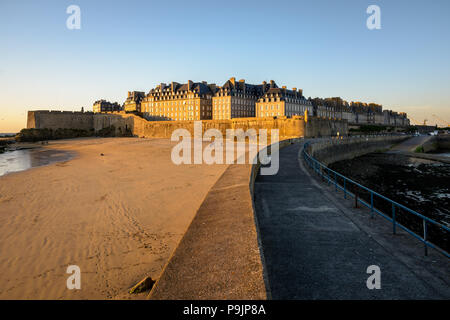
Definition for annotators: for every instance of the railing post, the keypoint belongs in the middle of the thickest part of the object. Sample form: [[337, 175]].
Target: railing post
[[393, 218], [335, 182], [322, 169], [425, 236], [345, 189], [371, 205]]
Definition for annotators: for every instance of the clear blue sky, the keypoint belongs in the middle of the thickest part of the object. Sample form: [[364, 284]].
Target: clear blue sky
[[323, 47]]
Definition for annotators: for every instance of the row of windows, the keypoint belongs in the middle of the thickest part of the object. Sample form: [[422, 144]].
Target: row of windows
[[270, 114], [175, 113], [276, 114], [167, 109], [172, 103], [233, 108], [183, 116], [225, 93], [289, 107], [234, 101]]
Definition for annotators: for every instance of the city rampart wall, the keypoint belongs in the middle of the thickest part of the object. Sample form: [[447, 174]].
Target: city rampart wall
[[123, 122], [60, 120]]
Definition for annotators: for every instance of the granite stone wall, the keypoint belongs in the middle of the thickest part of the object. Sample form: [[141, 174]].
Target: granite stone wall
[[60, 120], [122, 122]]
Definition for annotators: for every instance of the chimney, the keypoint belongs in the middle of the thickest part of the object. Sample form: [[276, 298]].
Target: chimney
[[204, 82], [213, 87], [284, 87], [264, 84], [242, 81], [272, 84], [300, 92], [172, 86], [190, 83], [233, 80]]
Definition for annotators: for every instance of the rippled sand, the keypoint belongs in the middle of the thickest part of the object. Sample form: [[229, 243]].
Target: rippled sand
[[118, 217]]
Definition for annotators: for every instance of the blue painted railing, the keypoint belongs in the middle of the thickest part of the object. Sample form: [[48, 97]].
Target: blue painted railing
[[332, 177]]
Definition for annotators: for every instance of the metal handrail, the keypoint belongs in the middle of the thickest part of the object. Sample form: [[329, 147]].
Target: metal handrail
[[319, 167]]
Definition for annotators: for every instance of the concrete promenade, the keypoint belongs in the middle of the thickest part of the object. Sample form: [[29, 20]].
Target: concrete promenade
[[411, 144], [316, 247], [408, 147]]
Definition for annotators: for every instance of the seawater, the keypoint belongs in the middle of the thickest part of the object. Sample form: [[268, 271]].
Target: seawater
[[20, 160], [446, 154]]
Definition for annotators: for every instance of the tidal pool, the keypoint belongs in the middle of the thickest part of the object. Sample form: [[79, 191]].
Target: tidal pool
[[20, 160]]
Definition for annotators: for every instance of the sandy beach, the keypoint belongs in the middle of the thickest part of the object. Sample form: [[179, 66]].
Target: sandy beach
[[118, 217]]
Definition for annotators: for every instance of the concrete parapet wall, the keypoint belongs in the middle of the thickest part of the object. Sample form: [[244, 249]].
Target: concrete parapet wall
[[334, 150], [220, 255]]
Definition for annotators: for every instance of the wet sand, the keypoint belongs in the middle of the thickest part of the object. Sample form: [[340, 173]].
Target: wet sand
[[20, 160], [118, 217]]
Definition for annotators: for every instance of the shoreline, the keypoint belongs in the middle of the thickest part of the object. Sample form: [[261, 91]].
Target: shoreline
[[40, 157]]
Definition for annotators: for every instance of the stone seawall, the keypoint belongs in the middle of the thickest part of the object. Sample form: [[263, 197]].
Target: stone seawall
[[288, 127], [294, 127], [443, 142], [436, 143], [335, 150]]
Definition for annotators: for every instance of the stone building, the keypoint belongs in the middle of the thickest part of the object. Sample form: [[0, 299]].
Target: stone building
[[330, 108], [133, 101], [395, 118], [106, 106], [236, 99], [189, 101], [282, 102]]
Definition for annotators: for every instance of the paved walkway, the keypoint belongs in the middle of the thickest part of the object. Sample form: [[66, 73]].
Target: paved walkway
[[312, 250], [411, 144]]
